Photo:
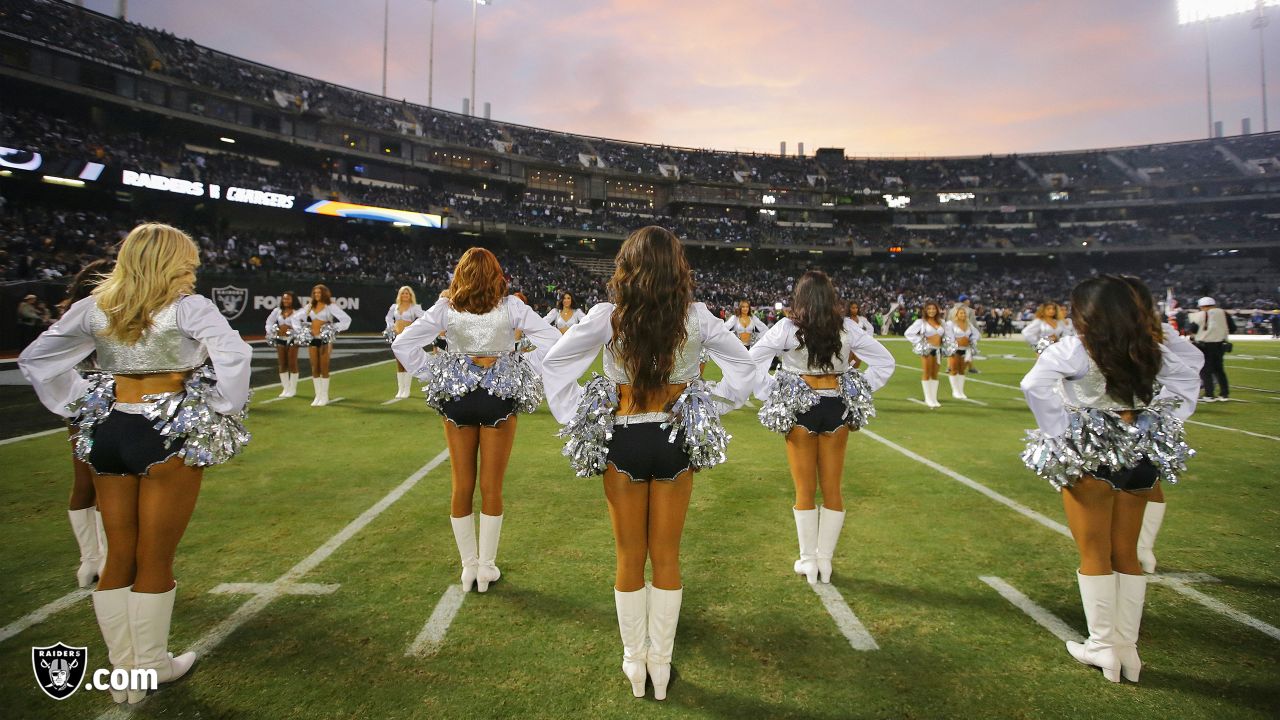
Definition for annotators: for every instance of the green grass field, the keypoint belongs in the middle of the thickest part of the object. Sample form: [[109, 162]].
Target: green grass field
[[754, 639]]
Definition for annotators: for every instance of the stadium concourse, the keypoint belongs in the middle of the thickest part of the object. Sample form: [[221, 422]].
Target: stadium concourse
[[319, 577]]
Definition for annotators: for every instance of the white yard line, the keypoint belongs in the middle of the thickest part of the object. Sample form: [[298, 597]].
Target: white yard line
[[44, 613], [975, 402], [32, 436], [972, 379], [271, 591], [1246, 367], [848, 623], [277, 398], [973, 484], [1231, 429], [1044, 618], [1179, 586], [1182, 585], [431, 638], [392, 401], [917, 401]]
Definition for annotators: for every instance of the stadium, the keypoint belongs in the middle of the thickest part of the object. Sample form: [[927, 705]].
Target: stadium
[[318, 576]]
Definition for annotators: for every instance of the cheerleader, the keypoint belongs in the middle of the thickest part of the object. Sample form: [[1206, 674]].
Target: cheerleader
[[926, 335], [959, 343], [565, 316], [1110, 405], [647, 426], [1046, 329], [401, 315], [85, 518], [747, 327], [478, 384], [324, 320], [284, 331], [863, 324], [814, 400], [152, 337]]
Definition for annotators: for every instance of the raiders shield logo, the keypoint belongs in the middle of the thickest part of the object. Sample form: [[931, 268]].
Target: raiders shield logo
[[231, 300], [59, 669]]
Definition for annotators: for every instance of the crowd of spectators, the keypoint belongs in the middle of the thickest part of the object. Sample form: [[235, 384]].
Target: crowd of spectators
[[62, 25]]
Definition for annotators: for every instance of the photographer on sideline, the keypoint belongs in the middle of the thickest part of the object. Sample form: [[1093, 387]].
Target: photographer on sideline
[[1212, 327]]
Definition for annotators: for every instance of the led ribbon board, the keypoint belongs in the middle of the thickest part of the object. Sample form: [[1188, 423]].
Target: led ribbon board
[[369, 212]]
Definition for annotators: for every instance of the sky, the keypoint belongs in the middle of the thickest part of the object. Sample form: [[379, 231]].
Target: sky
[[877, 78]]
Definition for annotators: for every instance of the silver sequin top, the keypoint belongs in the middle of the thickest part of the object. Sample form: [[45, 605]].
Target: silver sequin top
[[687, 360], [487, 335], [1091, 391], [163, 347], [796, 360]]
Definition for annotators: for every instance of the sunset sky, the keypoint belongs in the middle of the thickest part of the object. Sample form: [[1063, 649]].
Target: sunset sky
[[876, 78]]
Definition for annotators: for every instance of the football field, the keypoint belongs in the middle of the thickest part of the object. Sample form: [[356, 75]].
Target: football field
[[318, 578]]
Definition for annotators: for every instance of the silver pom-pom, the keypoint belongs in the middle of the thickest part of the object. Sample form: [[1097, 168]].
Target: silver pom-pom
[[90, 409], [588, 433], [922, 346], [389, 335], [792, 397], [949, 346], [450, 375], [299, 336], [855, 391], [327, 333], [210, 437], [1043, 343], [1096, 437], [695, 414]]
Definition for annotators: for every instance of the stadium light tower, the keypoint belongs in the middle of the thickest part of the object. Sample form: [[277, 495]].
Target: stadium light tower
[[475, 24], [1202, 11], [431, 55], [386, 21]]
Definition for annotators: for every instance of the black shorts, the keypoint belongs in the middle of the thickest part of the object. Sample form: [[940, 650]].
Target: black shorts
[[642, 452], [127, 444], [824, 418], [1140, 477], [317, 342], [280, 342], [478, 408]]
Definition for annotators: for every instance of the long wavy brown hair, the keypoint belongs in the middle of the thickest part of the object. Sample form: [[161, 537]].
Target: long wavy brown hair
[[82, 285], [651, 288], [1114, 319], [817, 317], [478, 283]]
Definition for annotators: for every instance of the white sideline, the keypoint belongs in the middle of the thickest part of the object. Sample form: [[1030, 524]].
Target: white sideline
[[431, 638], [1246, 367], [970, 378], [1176, 583], [290, 589], [1231, 429], [256, 604], [848, 623], [43, 613], [973, 484], [392, 401], [917, 401], [1044, 618]]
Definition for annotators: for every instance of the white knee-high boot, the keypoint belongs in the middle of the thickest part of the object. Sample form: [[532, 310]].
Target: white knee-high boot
[[402, 385], [1098, 596], [931, 393], [112, 610], [830, 523], [633, 626], [664, 615], [291, 388], [464, 534], [84, 525], [490, 533], [150, 615], [321, 386], [807, 534], [102, 541], [1152, 518], [1131, 597], [284, 385], [957, 387]]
